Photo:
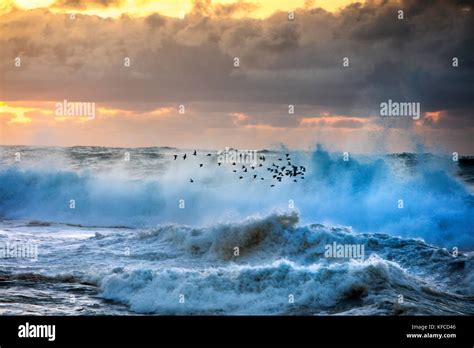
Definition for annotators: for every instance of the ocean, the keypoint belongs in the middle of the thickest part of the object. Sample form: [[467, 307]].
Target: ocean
[[135, 231]]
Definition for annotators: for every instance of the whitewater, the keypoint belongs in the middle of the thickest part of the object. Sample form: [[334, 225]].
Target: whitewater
[[143, 239]]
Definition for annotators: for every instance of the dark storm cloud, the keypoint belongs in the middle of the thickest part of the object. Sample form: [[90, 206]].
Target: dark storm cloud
[[282, 62]]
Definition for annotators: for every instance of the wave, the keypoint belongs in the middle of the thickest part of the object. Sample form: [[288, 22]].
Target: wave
[[363, 193], [282, 269], [281, 236], [46, 195], [283, 287]]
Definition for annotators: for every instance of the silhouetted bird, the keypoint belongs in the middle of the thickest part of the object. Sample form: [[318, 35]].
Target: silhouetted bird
[[208, 154], [191, 180], [175, 157], [295, 171], [241, 177], [219, 164], [184, 157], [255, 176], [195, 153], [272, 185], [200, 165]]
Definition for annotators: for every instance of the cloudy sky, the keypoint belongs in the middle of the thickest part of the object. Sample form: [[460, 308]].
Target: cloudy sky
[[183, 53]]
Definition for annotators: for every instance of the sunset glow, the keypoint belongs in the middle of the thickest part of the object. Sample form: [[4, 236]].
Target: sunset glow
[[173, 8]]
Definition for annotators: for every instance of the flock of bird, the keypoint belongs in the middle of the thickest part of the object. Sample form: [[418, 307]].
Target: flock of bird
[[276, 172]]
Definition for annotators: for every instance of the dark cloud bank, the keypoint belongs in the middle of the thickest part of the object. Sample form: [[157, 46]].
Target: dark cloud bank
[[282, 62]]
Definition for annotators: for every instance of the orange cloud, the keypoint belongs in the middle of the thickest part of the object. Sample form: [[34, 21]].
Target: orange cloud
[[239, 117], [37, 111], [434, 116], [431, 118], [336, 121], [16, 114]]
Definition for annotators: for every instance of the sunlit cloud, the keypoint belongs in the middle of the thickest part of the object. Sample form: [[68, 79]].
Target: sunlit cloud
[[173, 8], [337, 121], [182, 52], [15, 114]]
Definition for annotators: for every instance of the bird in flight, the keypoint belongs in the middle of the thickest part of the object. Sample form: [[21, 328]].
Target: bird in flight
[[279, 173]]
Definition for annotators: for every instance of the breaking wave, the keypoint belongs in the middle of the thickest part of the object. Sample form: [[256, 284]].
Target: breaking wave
[[364, 193], [280, 259]]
